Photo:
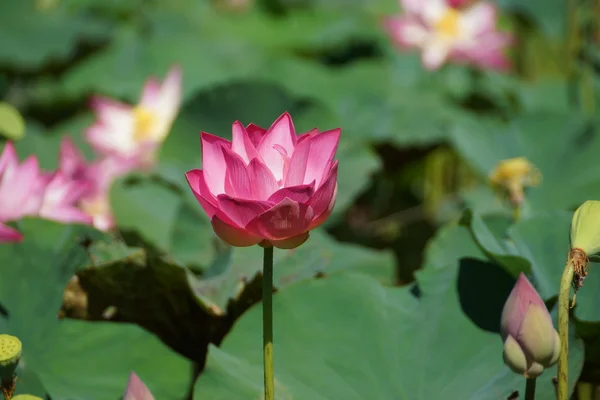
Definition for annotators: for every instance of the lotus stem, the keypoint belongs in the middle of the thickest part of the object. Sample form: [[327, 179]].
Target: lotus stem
[[563, 329], [267, 291], [530, 388]]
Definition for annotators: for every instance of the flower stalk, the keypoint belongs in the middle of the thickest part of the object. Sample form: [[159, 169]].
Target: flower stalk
[[530, 388], [267, 291], [563, 328]]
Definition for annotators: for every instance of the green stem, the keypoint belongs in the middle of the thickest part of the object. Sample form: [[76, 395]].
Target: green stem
[[563, 330], [267, 291], [530, 389], [516, 213]]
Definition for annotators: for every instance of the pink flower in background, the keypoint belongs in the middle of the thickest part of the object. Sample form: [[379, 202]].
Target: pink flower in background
[[17, 183], [136, 132], [459, 3], [55, 197], [267, 186], [26, 191], [443, 32], [136, 389], [531, 343], [99, 176]]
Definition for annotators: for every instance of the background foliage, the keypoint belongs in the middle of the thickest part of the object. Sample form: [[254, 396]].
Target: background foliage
[[162, 296]]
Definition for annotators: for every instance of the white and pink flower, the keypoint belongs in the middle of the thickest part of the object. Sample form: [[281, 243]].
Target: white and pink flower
[[136, 132], [26, 191], [443, 32], [99, 176]]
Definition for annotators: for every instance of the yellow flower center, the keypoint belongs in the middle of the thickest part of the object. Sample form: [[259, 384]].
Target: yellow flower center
[[514, 175], [95, 207], [144, 122], [448, 25]]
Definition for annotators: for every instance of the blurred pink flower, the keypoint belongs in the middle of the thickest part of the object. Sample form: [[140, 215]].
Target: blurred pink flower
[[99, 176], [136, 389], [17, 184], [442, 32], [459, 3], [267, 186], [136, 132], [530, 341], [55, 197]]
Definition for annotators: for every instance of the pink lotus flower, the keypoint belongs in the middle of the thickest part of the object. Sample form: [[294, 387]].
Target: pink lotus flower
[[443, 32], [99, 176], [136, 389], [25, 191], [267, 186], [135, 133], [530, 341], [55, 197], [17, 183]]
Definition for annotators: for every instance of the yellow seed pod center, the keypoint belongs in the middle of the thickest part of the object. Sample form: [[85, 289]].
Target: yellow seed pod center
[[10, 348], [144, 123], [449, 24]]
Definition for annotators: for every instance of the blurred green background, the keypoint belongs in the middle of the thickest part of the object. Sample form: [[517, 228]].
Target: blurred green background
[[398, 296]]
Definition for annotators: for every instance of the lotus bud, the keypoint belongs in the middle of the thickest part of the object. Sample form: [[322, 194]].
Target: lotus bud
[[585, 229], [136, 389], [513, 175], [530, 341]]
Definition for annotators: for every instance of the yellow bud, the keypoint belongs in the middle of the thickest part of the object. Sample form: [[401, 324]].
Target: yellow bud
[[513, 175]]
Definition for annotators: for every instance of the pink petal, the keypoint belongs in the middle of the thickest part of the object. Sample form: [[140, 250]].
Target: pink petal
[[291, 243], [255, 133], [412, 6], [480, 18], [213, 163], [9, 156], [263, 181], [322, 152], [8, 234], [241, 143], [136, 389], [522, 295], [71, 161], [195, 179], [67, 215], [323, 200], [286, 219], [16, 188], [281, 133], [232, 235], [170, 95], [237, 180], [298, 163], [300, 193], [150, 92], [435, 55], [406, 31], [241, 211], [109, 109]]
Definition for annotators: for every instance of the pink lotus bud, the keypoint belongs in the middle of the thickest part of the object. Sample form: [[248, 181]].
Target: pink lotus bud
[[443, 32], [267, 186], [136, 389], [530, 341], [136, 132]]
